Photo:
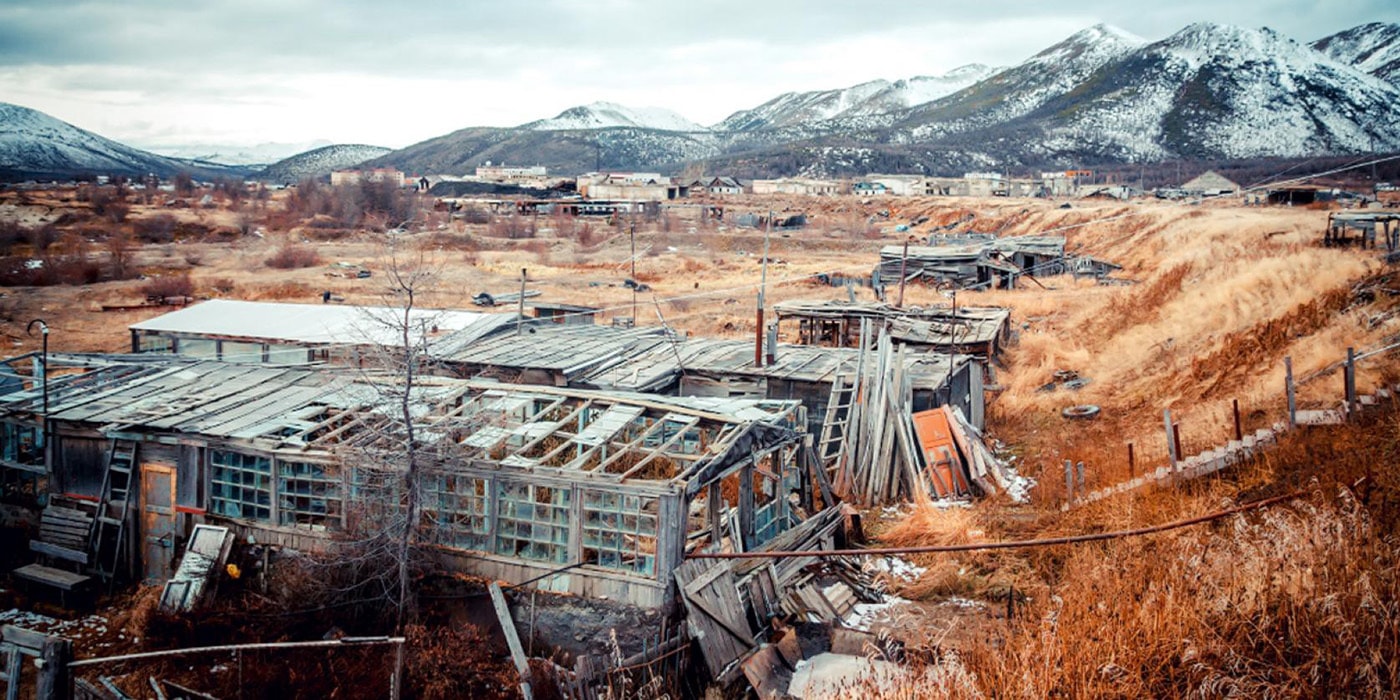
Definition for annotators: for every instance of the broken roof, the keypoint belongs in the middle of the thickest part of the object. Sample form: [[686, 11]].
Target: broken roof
[[610, 436], [318, 324], [934, 325]]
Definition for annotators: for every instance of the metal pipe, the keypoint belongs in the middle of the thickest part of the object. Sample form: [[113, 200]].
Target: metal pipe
[[345, 642]]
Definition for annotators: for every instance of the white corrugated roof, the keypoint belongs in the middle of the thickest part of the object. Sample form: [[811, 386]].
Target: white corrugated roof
[[308, 323]]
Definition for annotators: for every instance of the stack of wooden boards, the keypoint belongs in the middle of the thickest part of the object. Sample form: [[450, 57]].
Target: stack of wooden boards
[[878, 451]]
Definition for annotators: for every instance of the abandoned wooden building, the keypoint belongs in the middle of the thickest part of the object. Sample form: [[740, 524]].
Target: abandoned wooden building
[[979, 262], [1362, 228], [520, 480], [968, 330]]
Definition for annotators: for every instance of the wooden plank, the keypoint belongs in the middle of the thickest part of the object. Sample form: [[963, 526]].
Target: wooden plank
[[58, 578], [27, 640], [59, 552], [517, 653]]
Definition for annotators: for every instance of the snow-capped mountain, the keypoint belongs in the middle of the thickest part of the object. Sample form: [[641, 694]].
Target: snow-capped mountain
[[237, 154], [1374, 48], [34, 144], [1018, 91], [866, 99], [1222, 91], [319, 162], [607, 115]]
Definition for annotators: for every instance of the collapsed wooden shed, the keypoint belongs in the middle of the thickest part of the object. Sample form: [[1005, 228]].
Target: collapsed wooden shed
[[969, 330]]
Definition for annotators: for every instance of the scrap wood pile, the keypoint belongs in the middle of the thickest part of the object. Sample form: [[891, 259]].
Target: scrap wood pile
[[878, 451]]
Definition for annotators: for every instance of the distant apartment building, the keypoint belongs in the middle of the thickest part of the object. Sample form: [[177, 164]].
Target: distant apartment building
[[355, 177], [797, 186], [510, 173], [630, 186]]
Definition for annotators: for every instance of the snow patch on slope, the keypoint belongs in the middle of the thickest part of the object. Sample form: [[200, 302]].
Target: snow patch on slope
[[605, 115]]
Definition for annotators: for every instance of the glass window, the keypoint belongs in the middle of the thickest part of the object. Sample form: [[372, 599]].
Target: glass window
[[457, 511], [154, 343], [532, 522], [232, 351], [200, 348], [20, 444], [240, 486], [307, 495], [619, 531]]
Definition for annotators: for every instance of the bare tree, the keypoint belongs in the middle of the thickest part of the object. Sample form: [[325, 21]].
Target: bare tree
[[392, 459]]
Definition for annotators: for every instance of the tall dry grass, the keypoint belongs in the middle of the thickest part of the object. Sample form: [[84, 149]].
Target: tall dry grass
[[1300, 600]]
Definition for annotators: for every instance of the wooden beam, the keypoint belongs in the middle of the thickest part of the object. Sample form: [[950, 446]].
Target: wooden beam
[[517, 653]]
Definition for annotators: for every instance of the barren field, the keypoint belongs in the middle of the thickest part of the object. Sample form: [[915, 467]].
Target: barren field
[[1214, 297]]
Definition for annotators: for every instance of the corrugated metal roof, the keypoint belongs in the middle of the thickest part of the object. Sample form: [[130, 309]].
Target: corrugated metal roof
[[319, 324]]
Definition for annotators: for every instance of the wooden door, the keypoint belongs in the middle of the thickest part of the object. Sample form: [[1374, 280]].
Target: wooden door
[[157, 520]]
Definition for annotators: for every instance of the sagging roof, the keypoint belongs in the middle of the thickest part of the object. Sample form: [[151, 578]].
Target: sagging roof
[[214, 399], [663, 364], [321, 324], [568, 350]]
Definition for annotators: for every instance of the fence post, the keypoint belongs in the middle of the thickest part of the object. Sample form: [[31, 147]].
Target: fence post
[[1239, 428], [55, 679], [1288, 388], [1171, 442], [1069, 482], [1131, 463], [1079, 476], [1350, 377]]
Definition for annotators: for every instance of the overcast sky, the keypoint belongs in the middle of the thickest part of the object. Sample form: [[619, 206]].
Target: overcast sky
[[152, 72]]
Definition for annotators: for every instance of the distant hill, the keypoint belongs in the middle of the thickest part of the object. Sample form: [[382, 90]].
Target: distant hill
[[36, 145], [318, 162]]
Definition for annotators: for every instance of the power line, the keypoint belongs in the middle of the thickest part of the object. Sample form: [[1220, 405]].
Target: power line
[[1018, 544]]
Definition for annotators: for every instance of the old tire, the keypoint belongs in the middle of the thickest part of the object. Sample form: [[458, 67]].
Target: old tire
[[1082, 411]]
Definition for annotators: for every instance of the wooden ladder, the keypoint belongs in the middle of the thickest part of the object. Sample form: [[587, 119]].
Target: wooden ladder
[[839, 407], [118, 485]]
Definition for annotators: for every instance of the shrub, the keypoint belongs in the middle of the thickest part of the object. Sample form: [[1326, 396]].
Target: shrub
[[290, 257], [156, 229], [169, 286]]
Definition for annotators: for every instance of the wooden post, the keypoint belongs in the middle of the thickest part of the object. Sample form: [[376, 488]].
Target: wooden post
[[1171, 443], [1288, 388], [1132, 465], [1069, 482], [517, 653], [55, 680], [1239, 428], [396, 680], [1350, 377], [1176, 442], [1079, 477]]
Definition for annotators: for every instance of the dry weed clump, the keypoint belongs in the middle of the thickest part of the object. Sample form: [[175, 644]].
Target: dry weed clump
[[291, 257]]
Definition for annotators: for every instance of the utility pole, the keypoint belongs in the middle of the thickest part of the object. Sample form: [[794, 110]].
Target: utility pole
[[762, 296], [520, 305], [632, 236], [903, 266]]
